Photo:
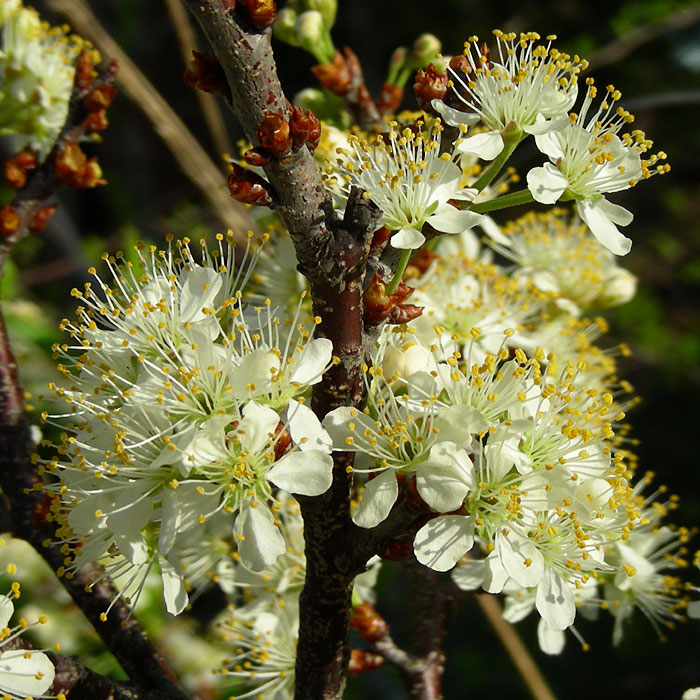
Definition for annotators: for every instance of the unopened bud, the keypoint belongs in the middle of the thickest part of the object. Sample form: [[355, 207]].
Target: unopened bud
[[284, 26], [248, 187], [389, 98], [368, 623], [205, 73], [430, 85], [97, 121], [309, 30], [362, 660], [9, 221], [14, 175], [424, 49], [334, 76], [261, 13], [99, 98], [327, 8], [273, 134], [41, 219]]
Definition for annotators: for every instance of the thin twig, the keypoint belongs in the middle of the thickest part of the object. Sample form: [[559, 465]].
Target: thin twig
[[624, 45], [187, 40], [519, 655], [195, 163]]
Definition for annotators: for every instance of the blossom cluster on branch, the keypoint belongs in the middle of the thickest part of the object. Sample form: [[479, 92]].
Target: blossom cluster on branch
[[213, 394]]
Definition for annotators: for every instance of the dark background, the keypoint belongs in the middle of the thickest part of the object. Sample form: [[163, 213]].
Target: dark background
[[148, 197]]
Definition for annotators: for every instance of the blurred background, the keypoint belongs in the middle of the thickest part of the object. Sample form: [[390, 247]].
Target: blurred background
[[650, 50]]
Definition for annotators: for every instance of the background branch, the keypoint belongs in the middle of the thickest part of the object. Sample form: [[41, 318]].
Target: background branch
[[619, 48], [517, 651], [190, 156], [187, 41]]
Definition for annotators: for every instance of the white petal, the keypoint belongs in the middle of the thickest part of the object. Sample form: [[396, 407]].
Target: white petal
[[456, 423], [469, 575], [444, 479], [259, 539], [596, 218], [449, 219], [7, 608], [258, 424], [336, 423], [521, 559], [617, 214], [493, 231], [549, 144], [551, 640], [199, 290], [308, 473], [546, 183], [306, 429], [407, 238], [314, 360], [443, 541], [544, 126], [485, 146], [452, 116], [518, 606], [19, 670], [555, 601], [495, 576], [254, 374], [174, 592], [378, 499]]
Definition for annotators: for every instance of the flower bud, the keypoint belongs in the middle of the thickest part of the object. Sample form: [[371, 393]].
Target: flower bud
[[327, 8], [248, 187], [309, 30], [362, 660], [273, 134], [407, 359], [100, 98], [41, 219], [619, 288], [205, 73], [9, 221], [261, 13], [283, 28], [368, 623], [424, 49], [334, 76]]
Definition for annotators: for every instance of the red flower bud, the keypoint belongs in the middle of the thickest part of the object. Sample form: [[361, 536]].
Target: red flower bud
[[261, 13], [84, 71], [248, 187], [41, 219], [389, 98], [257, 157], [205, 73], [284, 441], [228, 5], [304, 128], [419, 264], [26, 159], [403, 313], [362, 660], [9, 221], [378, 305], [97, 121], [273, 134], [99, 98], [15, 175], [368, 623], [334, 76], [73, 167], [430, 85]]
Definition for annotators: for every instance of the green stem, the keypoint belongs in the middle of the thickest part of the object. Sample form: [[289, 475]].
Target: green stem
[[400, 269], [507, 200], [511, 138]]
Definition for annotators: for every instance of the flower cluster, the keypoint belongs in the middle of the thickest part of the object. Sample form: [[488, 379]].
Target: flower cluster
[[187, 413], [36, 76]]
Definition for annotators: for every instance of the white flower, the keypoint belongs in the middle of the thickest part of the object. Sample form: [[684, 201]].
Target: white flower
[[36, 77], [588, 160], [23, 673], [529, 84], [558, 254], [407, 177], [265, 642]]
